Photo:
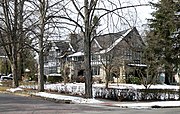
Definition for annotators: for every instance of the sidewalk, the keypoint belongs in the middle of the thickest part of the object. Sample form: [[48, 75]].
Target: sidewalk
[[80, 100]]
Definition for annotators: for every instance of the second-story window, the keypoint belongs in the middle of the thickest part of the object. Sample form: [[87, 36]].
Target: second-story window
[[94, 57], [128, 54]]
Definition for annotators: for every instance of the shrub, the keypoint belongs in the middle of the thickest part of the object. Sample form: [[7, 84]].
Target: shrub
[[135, 80], [54, 79], [97, 79], [80, 79]]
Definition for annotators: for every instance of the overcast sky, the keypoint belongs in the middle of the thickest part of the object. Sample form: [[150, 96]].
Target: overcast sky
[[143, 12]]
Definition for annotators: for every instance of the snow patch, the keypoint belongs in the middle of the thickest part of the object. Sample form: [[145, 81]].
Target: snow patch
[[64, 97], [14, 89]]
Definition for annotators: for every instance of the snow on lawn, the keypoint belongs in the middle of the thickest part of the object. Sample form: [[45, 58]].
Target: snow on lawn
[[64, 97], [80, 100], [125, 91], [134, 86], [78, 89], [61, 86]]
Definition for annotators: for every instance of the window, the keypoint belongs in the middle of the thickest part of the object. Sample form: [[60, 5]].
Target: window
[[52, 70], [128, 54], [95, 70], [94, 57]]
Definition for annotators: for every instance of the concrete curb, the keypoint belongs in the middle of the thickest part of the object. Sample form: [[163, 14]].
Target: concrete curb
[[53, 99]]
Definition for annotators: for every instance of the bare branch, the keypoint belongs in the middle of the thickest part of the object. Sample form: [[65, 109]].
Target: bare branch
[[78, 10]]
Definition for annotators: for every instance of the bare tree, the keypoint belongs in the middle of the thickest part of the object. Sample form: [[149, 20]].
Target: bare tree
[[27, 24], [11, 31], [80, 14], [44, 27], [107, 60], [112, 60]]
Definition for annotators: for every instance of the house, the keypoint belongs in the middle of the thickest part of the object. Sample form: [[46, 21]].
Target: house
[[118, 52], [55, 53], [2, 54]]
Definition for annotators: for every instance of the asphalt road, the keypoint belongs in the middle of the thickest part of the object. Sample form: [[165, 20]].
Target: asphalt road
[[12, 104]]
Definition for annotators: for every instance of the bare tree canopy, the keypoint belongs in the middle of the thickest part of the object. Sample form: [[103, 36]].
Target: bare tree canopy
[[79, 17], [34, 22]]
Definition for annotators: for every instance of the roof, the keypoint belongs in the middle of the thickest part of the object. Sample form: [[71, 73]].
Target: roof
[[62, 45], [118, 39], [107, 40], [76, 41], [76, 54]]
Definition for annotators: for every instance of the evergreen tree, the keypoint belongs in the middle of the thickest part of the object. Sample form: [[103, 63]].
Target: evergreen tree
[[162, 41]]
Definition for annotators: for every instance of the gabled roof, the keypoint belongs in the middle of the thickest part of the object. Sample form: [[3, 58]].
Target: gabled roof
[[64, 46], [107, 40], [76, 41], [119, 37]]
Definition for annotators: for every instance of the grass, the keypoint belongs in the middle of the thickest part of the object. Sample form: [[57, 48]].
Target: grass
[[7, 83], [3, 88], [28, 83]]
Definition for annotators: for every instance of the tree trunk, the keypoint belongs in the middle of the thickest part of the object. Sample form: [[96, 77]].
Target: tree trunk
[[87, 52], [14, 47], [20, 65], [21, 37], [41, 57], [14, 69], [107, 78], [41, 71]]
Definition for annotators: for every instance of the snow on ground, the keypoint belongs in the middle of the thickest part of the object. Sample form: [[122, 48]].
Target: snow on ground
[[134, 86], [122, 91], [79, 87], [80, 100], [65, 97], [14, 89], [138, 105], [161, 104]]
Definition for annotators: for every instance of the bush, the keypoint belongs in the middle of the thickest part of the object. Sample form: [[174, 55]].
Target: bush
[[135, 80], [80, 79], [54, 79], [97, 79]]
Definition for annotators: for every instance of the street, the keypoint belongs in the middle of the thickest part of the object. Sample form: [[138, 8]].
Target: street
[[12, 104]]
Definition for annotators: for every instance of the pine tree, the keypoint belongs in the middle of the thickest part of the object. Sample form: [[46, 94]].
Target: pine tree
[[162, 39]]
